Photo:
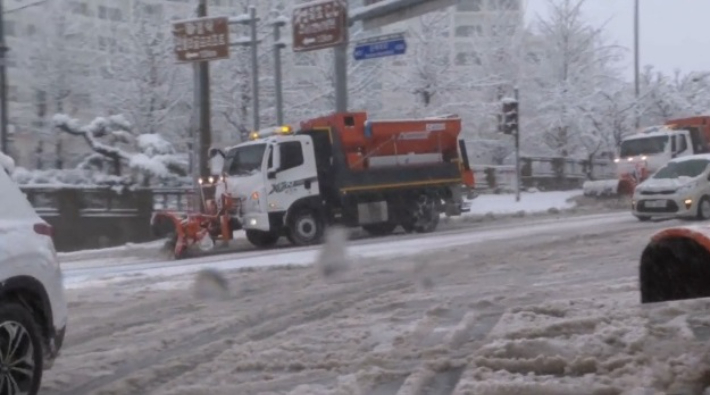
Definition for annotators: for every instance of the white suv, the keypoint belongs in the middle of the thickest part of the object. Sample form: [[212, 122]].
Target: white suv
[[680, 189], [33, 309]]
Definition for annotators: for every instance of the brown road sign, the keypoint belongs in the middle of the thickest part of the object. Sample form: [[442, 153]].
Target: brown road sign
[[319, 24], [201, 39]]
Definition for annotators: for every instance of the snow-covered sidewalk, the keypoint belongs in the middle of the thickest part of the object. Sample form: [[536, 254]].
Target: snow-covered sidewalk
[[541, 314]]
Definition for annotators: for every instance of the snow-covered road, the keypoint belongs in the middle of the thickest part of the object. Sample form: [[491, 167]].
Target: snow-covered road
[[537, 307], [78, 273]]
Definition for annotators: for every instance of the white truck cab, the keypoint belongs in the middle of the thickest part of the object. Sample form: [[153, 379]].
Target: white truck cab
[[652, 149], [268, 175]]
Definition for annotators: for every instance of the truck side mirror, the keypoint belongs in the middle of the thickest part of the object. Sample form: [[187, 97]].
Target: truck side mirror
[[274, 164], [216, 161]]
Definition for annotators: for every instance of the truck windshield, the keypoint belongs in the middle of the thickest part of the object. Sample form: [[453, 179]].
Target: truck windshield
[[687, 168], [244, 160], [644, 146]]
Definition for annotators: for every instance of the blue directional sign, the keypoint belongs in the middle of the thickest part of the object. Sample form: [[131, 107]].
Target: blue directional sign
[[380, 47]]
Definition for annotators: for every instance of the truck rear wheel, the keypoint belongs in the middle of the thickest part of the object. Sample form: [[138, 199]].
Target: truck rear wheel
[[305, 227], [381, 229], [261, 239], [423, 216]]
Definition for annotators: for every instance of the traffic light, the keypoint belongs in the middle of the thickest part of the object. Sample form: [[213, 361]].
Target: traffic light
[[509, 118]]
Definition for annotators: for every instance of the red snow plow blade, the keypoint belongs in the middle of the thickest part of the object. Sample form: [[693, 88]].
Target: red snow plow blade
[[197, 229], [675, 265]]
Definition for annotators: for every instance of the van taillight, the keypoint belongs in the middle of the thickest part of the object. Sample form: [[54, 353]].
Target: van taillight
[[43, 229]]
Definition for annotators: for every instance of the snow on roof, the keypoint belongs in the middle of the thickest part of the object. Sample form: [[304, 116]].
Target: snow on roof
[[691, 157], [281, 19], [241, 18]]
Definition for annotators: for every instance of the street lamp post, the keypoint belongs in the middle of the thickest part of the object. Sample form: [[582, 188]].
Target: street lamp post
[[636, 60], [4, 138]]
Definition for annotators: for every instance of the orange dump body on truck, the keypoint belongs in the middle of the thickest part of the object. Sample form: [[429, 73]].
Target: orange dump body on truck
[[699, 128], [421, 150]]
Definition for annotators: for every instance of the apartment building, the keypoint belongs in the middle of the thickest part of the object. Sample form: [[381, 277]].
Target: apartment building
[[64, 55], [63, 50]]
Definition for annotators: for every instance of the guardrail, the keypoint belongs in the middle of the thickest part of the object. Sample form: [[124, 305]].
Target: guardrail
[[542, 173]]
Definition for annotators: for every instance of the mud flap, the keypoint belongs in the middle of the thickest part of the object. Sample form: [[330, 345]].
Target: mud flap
[[675, 265]]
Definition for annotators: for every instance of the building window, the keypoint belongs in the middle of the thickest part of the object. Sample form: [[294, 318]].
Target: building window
[[532, 57], [469, 5], [467, 58], [153, 10], [79, 8], [41, 102], [503, 30], [109, 13], [469, 31], [106, 43], [504, 5]]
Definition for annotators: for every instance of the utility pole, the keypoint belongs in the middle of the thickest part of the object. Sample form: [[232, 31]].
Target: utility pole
[[517, 147], [253, 42], [203, 74], [4, 138], [340, 60], [636, 61], [254, 65], [278, 46]]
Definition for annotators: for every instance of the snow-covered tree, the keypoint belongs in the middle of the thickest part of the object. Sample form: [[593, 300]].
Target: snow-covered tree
[[664, 97], [312, 92], [576, 64], [146, 84], [428, 77], [59, 60], [112, 139]]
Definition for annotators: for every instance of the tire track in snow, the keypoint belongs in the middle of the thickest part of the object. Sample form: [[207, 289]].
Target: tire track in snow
[[318, 307]]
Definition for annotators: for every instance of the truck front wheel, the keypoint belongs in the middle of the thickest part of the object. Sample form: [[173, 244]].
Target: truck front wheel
[[261, 239], [305, 227]]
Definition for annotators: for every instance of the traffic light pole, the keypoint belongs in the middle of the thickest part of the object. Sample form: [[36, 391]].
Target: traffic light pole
[[517, 152]]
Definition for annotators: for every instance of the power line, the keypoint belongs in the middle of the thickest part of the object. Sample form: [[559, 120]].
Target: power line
[[25, 6]]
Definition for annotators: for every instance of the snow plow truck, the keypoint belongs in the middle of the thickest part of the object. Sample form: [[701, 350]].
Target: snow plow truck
[[642, 154], [339, 169]]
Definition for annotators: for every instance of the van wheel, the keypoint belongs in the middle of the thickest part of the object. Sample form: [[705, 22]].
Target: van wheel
[[21, 349], [643, 218], [261, 239], [305, 227], [704, 208]]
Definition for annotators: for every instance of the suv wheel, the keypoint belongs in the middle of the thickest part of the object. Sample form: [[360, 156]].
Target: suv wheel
[[21, 360]]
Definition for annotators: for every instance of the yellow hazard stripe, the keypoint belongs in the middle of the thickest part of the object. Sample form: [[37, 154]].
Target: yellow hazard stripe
[[399, 185]]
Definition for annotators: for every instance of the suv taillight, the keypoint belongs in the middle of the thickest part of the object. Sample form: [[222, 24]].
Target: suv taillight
[[43, 229]]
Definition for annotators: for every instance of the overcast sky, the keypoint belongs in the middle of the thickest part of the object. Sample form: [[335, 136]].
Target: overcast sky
[[673, 33]]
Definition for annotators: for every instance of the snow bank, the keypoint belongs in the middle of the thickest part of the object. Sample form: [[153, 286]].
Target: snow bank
[[530, 202], [7, 163]]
